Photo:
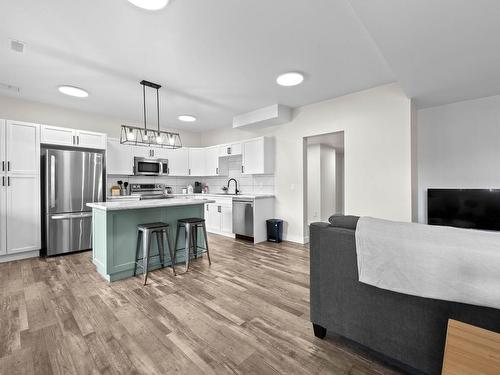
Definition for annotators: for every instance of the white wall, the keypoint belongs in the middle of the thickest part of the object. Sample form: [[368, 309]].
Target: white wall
[[458, 147], [25, 110], [377, 164], [328, 190], [313, 183]]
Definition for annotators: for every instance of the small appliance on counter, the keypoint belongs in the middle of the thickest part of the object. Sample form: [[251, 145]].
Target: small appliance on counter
[[198, 187]]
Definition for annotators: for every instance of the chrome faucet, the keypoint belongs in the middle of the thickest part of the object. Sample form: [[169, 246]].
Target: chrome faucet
[[236, 191]]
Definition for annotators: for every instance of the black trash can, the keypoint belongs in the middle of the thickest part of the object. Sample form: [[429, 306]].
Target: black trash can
[[274, 230]]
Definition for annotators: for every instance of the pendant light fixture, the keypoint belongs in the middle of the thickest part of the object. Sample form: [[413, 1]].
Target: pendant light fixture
[[150, 137]]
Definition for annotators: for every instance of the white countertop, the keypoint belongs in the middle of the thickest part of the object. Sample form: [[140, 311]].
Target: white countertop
[[248, 196], [148, 203]]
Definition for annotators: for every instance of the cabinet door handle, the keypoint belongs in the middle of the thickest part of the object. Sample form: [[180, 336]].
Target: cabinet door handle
[[229, 150], [77, 139], [3, 181], [216, 170], [189, 172], [242, 169], [74, 140], [218, 209], [8, 166], [168, 170], [207, 207], [3, 166], [8, 180]]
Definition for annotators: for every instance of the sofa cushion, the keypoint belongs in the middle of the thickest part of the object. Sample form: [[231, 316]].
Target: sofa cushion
[[344, 221]]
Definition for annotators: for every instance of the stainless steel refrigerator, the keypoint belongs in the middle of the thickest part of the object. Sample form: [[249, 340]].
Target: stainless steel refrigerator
[[71, 179]]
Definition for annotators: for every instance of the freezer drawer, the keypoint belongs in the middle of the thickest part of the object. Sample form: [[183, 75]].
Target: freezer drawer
[[69, 232], [243, 217]]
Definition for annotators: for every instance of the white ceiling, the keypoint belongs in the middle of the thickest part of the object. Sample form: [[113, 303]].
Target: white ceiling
[[220, 58], [441, 51]]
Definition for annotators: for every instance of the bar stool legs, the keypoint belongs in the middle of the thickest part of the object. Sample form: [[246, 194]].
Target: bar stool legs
[[144, 239], [206, 243], [191, 227], [146, 245]]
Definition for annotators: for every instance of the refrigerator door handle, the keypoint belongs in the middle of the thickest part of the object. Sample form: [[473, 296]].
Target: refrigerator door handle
[[71, 216], [52, 191]]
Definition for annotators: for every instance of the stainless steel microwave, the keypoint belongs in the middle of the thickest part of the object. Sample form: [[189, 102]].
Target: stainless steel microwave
[[150, 167]]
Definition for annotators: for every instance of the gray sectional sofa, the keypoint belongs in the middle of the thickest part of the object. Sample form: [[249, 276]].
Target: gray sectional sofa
[[408, 331]]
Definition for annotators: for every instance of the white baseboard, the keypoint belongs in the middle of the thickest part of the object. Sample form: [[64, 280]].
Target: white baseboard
[[19, 256], [296, 239], [230, 235]]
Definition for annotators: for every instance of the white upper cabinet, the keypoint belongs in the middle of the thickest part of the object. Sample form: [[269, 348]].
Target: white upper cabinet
[[22, 145], [230, 149], [54, 135], [88, 139], [178, 162], [119, 158], [212, 161], [197, 161], [258, 156]]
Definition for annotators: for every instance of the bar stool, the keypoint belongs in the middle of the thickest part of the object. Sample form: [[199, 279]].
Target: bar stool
[[191, 226], [145, 234]]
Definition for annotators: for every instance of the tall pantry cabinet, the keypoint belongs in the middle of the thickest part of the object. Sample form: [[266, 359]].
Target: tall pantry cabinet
[[19, 187]]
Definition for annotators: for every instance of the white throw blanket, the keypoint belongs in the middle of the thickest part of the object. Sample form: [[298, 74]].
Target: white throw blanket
[[461, 265]]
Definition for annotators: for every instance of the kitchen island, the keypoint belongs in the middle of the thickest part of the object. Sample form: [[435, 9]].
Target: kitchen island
[[114, 226]]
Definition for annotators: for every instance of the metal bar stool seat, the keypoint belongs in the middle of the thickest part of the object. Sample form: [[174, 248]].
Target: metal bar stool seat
[[145, 234], [191, 226]]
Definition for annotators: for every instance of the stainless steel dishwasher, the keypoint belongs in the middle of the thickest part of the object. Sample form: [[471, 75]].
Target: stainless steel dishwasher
[[243, 217]]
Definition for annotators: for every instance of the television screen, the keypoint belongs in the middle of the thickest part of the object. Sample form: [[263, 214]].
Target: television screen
[[464, 208]]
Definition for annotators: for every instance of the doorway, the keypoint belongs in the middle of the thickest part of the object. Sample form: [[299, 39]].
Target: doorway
[[324, 177]]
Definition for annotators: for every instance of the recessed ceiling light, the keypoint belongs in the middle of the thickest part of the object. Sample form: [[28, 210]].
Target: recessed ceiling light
[[290, 79], [187, 118], [150, 4], [73, 91]]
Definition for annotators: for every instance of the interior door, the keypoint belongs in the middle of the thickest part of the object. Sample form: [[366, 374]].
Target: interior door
[[23, 213], [22, 148]]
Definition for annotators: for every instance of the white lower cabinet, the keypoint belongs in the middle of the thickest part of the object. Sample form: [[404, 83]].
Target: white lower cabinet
[[23, 213], [219, 216]]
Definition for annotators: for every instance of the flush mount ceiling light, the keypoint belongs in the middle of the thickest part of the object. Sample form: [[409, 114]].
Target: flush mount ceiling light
[[146, 136], [73, 91], [187, 118], [150, 4], [290, 79]]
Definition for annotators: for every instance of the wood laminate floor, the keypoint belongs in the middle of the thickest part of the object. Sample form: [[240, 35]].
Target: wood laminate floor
[[246, 314]]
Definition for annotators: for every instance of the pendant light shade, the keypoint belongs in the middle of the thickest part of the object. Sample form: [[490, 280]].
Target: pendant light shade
[[148, 137]]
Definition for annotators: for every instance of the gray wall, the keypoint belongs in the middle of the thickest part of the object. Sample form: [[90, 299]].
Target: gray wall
[[458, 147]]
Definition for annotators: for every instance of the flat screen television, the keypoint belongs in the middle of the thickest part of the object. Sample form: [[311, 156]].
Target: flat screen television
[[464, 208]]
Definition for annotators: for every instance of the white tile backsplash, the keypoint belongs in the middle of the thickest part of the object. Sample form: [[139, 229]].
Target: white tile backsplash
[[247, 184]]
